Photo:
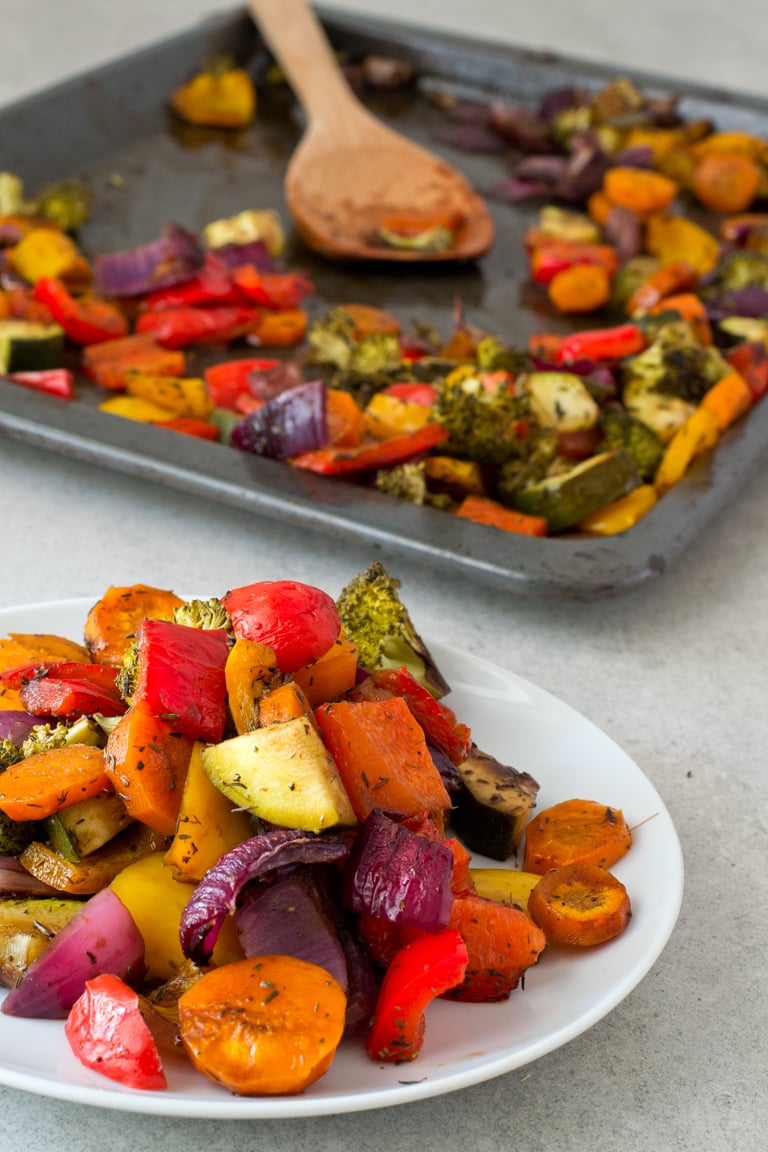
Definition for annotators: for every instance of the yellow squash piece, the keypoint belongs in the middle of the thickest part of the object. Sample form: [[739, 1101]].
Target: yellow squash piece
[[208, 826], [387, 416], [49, 252], [674, 238], [223, 98], [284, 774], [700, 432], [621, 514], [137, 408], [505, 885]]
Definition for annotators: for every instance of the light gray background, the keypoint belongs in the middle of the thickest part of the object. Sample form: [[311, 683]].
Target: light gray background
[[675, 672]]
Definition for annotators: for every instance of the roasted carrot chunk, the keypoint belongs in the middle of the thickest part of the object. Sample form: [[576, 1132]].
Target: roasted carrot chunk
[[111, 624], [286, 702], [45, 783], [146, 761], [266, 1026], [575, 832], [580, 904], [501, 943]]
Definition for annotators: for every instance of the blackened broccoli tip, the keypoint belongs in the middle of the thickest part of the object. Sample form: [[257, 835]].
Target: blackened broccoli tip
[[622, 430], [743, 268], [376, 620], [675, 364], [16, 835], [409, 482], [203, 614], [10, 753], [483, 424]]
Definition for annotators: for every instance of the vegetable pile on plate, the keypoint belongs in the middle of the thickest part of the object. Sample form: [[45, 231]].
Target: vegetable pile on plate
[[241, 828]]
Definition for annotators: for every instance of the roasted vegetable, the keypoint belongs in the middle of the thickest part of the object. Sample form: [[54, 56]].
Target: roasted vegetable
[[28, 346], [492, 806], [26, 929], [485, 416], [376, 620], [205, 614], [566, 498], [675, 364], [622, 430]]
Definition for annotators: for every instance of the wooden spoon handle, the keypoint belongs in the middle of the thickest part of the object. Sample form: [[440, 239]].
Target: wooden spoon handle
[[295, 37]]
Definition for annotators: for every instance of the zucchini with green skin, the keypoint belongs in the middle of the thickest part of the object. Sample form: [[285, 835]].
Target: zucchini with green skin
[[565, 499], [27, 346], [492, 805], [560, 401], [87, 825]]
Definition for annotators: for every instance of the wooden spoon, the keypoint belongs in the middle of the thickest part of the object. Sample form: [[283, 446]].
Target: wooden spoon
[[350, 172]]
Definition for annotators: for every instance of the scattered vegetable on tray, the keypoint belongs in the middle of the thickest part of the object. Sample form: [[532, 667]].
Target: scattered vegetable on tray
[[240, 829]]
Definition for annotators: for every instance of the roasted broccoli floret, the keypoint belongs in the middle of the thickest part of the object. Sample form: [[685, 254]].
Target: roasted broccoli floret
[[15, 835], [10, 753], [675, 364], [45, 736], [742, 269], [520, 472], [621, 430], [376, 620], [332, 339], [409, 482], [483, 422], [203, 614], [66, 203], [125, 679], [493, 356]]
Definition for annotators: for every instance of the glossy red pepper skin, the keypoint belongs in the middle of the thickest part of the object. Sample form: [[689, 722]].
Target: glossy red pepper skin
[[299, 622], [229, 380], [412, 393], [273, 290], [68, 699], [750, 358], [422, 970], [549, 259], [191, 426], [334, 461], [181, 677], [179, 327], [53, 381], [441, 727], [107, 1033], [101, 676], [212, 284], [85, 319], [602, 344]]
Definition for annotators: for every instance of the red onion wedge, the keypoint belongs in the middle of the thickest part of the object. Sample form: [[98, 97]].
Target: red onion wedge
[[294, 422], [100, 938], [169, 260], [398, 875], [16, 726], [215, 897]]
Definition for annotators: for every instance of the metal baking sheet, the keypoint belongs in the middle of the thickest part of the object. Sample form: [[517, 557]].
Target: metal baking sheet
[[114, 122]]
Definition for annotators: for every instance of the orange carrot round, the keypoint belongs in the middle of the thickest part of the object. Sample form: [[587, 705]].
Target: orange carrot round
[[580, 904], [726, 181], [45, 783], [639, 189], [581, 288], [266, 1026], [575, 832]]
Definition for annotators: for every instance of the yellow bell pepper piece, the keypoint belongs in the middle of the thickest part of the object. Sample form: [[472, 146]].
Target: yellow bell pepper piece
[[387, 416], [208, 825], [621, 514], [700, 432], [505, 885], [49, 252], [156, 901], [219, 99], [459, 478], [674, 238], [136, 408], [181, 395]]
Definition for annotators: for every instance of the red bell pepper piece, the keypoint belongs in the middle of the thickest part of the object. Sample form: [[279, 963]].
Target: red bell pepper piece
[[107, 1032], [226, 381], [549, 259], [85, 319], [181, 677], [602, 344], [750, 358], [412, 393], [422, 970], [180, 327], [211, 284], [46, 696], [273, 290], [334, 461], [101, 676], [441, 727], [54, 381], [299, 622], [192, 426]]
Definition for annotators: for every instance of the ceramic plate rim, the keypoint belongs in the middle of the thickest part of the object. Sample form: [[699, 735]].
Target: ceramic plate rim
[[410, 1083]]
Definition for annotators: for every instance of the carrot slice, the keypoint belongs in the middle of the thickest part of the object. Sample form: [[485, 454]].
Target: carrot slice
[[728, 399], [111, 623], [580, 904], [727, 181], [581, 288], [575, 832], [266, 1026], [485, 511], [286, 702], [45, 783]]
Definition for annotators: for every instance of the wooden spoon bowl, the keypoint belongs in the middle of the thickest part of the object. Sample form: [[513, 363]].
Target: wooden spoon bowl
[[350, 172]]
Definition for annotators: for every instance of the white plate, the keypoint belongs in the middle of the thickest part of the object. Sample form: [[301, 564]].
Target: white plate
[[564, 995]]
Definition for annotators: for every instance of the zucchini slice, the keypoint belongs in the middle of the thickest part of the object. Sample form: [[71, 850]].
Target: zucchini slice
[[27, 346], [565, 499]]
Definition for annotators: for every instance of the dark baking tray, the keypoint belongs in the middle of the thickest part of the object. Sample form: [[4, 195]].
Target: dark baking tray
[[114, 120]]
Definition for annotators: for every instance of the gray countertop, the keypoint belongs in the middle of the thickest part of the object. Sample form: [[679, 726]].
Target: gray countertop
[[673, 671]]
